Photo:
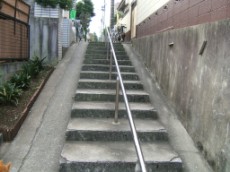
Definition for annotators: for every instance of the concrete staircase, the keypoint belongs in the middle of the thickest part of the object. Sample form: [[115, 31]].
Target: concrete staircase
[[93, 142]]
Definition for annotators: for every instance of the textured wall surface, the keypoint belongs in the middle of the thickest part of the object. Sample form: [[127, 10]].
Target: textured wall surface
[[44, 36], [8, 69], [183, 13], [197, 85]]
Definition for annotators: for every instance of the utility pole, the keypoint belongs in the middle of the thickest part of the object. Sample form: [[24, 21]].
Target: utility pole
[[112, 15]]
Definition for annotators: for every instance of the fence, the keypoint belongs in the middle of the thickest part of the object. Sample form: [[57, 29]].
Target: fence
[[14, 30]]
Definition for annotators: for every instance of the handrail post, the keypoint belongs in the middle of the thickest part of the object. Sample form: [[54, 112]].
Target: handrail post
[[117, 100], [111, 64], [108, 48]]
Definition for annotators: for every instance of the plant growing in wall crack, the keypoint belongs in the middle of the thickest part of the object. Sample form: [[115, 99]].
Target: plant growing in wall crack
[[63, 4]]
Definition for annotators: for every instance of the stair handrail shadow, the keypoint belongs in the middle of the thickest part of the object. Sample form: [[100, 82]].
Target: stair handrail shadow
[[139, 152]]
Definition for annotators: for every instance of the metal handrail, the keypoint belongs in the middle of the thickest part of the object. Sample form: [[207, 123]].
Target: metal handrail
[[131, 122]]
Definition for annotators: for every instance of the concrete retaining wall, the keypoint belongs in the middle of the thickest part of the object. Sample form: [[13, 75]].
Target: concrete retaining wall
[[44, 38], [45, 35], [8, 69], [198, 85]]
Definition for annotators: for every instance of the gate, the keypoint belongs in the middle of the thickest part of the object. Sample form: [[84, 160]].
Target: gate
[[14, 30]]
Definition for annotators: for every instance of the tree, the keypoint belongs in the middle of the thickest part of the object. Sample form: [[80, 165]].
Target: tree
[[84, 12], [64, 4]]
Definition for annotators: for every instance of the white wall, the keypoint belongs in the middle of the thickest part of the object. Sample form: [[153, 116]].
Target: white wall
[[126, 19], [146, 7]]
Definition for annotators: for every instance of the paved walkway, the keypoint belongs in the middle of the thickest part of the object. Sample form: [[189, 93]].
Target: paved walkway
[[38, 145]]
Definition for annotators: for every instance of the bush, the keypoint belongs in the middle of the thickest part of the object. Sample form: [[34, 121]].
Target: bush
[[9, 93], [12, 90], [21, 80], [33, 67], [45, 3], [37, 63], [64, 4]]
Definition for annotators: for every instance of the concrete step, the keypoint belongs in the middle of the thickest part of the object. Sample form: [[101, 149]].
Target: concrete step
[[97, 67], [105, 75], [102, 50], [103, 129], [99, 52], [104, 56], [103, 47], [109, 95], [108, 84], [102, 44], [117, 157], [93, 142], [107, 62], [106, 110]]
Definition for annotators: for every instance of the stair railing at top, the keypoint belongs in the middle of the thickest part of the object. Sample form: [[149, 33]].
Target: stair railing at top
[[120, 82]]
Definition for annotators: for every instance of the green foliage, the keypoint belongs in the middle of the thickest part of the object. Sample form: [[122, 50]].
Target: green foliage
[[1, 74], [79, 9], [37, 63], [85, 7], [12, 90], [46, 3], [21, 80], [84, 12], [9, 93], [33, 67], [64, 4]]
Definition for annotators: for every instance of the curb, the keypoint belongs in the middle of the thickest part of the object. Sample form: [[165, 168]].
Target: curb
[[10, 133]]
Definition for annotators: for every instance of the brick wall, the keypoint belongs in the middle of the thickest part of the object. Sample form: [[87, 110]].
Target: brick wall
[[183, 13]]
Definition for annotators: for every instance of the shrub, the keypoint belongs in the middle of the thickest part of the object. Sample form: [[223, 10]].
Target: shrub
[[33, 67], [12, 89], [38, 63], [45, 3], [21, 80], [9, 93], [64, 4]]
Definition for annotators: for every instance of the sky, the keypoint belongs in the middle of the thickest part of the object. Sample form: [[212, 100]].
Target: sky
[[96, 24]]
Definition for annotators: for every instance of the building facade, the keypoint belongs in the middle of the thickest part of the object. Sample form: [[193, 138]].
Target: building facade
[[146, 17]]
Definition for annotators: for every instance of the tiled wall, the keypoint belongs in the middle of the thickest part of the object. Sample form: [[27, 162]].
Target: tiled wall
[[183, 13]]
